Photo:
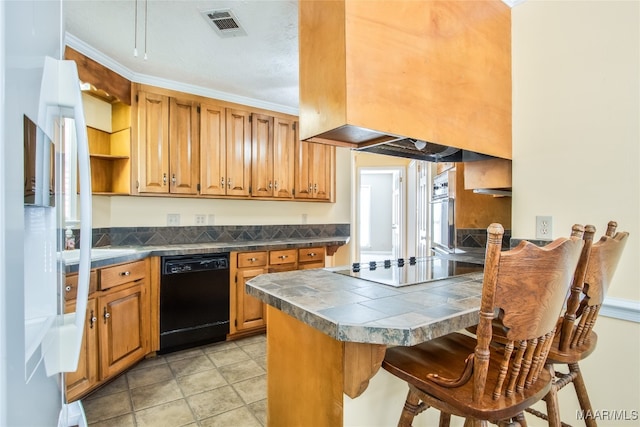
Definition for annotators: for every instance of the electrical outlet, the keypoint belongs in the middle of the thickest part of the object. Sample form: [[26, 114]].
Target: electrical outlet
[[173, 219], [201, 219], [212, 219], [544, 227]]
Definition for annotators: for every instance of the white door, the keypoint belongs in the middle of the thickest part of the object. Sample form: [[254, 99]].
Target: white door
[[380, 214]]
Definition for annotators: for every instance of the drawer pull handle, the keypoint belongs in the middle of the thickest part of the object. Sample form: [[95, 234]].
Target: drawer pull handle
[[67, 288], [125, 273]]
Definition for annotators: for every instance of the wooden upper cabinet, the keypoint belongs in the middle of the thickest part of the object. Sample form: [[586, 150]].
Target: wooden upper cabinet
[[261, 155], [213, 154], [272, 158], [168, 144], [284, 145], [238, 150], [153, 143], [443, 76], [315, 171], [184, 147]]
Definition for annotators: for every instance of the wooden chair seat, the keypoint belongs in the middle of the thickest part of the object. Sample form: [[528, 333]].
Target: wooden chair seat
[[571, 355], [495, 381], [445, 356]]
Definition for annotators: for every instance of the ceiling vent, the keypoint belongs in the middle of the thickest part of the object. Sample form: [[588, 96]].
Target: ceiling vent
[[224, 22]]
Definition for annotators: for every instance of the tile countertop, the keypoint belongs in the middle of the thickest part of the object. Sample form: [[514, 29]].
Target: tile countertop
[[356, 310], [105, 256]]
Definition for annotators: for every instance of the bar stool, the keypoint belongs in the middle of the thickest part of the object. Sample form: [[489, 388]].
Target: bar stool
[[471, 377], [576, 339]]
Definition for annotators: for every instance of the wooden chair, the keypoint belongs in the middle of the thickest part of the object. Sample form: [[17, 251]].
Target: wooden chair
[[468, 376], [576, 338]]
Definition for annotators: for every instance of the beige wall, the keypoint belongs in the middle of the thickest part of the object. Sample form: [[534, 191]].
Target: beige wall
[[576, 151]]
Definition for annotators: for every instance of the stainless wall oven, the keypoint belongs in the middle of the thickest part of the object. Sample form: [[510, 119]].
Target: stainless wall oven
[[443, 232]]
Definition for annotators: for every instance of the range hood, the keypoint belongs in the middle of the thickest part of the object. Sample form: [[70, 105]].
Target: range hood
[[421, 150], [382, 76]]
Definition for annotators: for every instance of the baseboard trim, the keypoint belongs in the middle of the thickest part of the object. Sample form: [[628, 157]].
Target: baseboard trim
[[622, 309]]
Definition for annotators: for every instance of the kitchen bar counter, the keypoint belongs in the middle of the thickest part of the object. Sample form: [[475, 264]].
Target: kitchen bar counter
[[355, 310], [327, 334], [105, 256]]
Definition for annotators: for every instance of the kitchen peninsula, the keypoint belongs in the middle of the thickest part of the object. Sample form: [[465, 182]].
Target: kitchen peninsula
[[327, 334]]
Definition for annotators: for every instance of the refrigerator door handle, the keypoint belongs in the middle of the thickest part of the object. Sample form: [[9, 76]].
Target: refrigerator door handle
[[60, 96]]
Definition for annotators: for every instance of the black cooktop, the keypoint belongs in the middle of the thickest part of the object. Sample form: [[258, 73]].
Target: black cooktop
[[410, 271]]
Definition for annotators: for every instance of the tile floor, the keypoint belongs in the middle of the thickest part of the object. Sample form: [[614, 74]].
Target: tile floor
[[222, 384]]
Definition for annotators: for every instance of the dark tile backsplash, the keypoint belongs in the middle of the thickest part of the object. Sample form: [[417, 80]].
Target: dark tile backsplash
[[477, 238], [141, 236]]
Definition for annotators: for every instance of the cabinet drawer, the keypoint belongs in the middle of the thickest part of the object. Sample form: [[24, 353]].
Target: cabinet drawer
[[287, 256], [311, 254], [123, 273], [71, 285], [252, 259]]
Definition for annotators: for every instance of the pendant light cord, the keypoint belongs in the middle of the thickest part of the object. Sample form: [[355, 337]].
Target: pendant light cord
[[146, 2], [135, 30]]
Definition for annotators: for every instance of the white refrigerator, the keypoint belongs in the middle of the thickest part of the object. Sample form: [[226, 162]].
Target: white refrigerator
[[41, 113]]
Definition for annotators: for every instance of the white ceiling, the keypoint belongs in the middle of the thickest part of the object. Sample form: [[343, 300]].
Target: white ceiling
[[185, 53]]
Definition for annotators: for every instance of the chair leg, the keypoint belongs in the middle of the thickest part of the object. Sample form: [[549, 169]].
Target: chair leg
[[583, 397], [551, 399], [410, 410], [445, 419], [521, 419]]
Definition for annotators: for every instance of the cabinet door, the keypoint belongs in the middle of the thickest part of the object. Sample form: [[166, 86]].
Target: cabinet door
[[261, 155], [79, 382], [153, 143], [213, 154], [238, 141], [322, 170], [284, 137], [183, 147], [250, 310], [123, 329], [303, 174]]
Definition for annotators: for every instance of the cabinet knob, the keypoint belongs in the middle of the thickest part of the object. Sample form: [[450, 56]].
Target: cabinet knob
[[315, 188], [125, 273], [222, 181], [164, 179], [106, 315], [173, 179], [270, 185], [67, 288], [253, 259], [229, 182], [312, 254], [92, 319], [283, 256], [275, 184]]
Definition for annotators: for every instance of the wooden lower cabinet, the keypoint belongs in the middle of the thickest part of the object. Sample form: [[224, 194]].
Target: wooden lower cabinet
[[117, 326], [81, 381], [123, 329], [249, 310], [248, 314]]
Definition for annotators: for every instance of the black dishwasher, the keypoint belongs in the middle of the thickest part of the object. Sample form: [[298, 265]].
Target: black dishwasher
[[194, 300]]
